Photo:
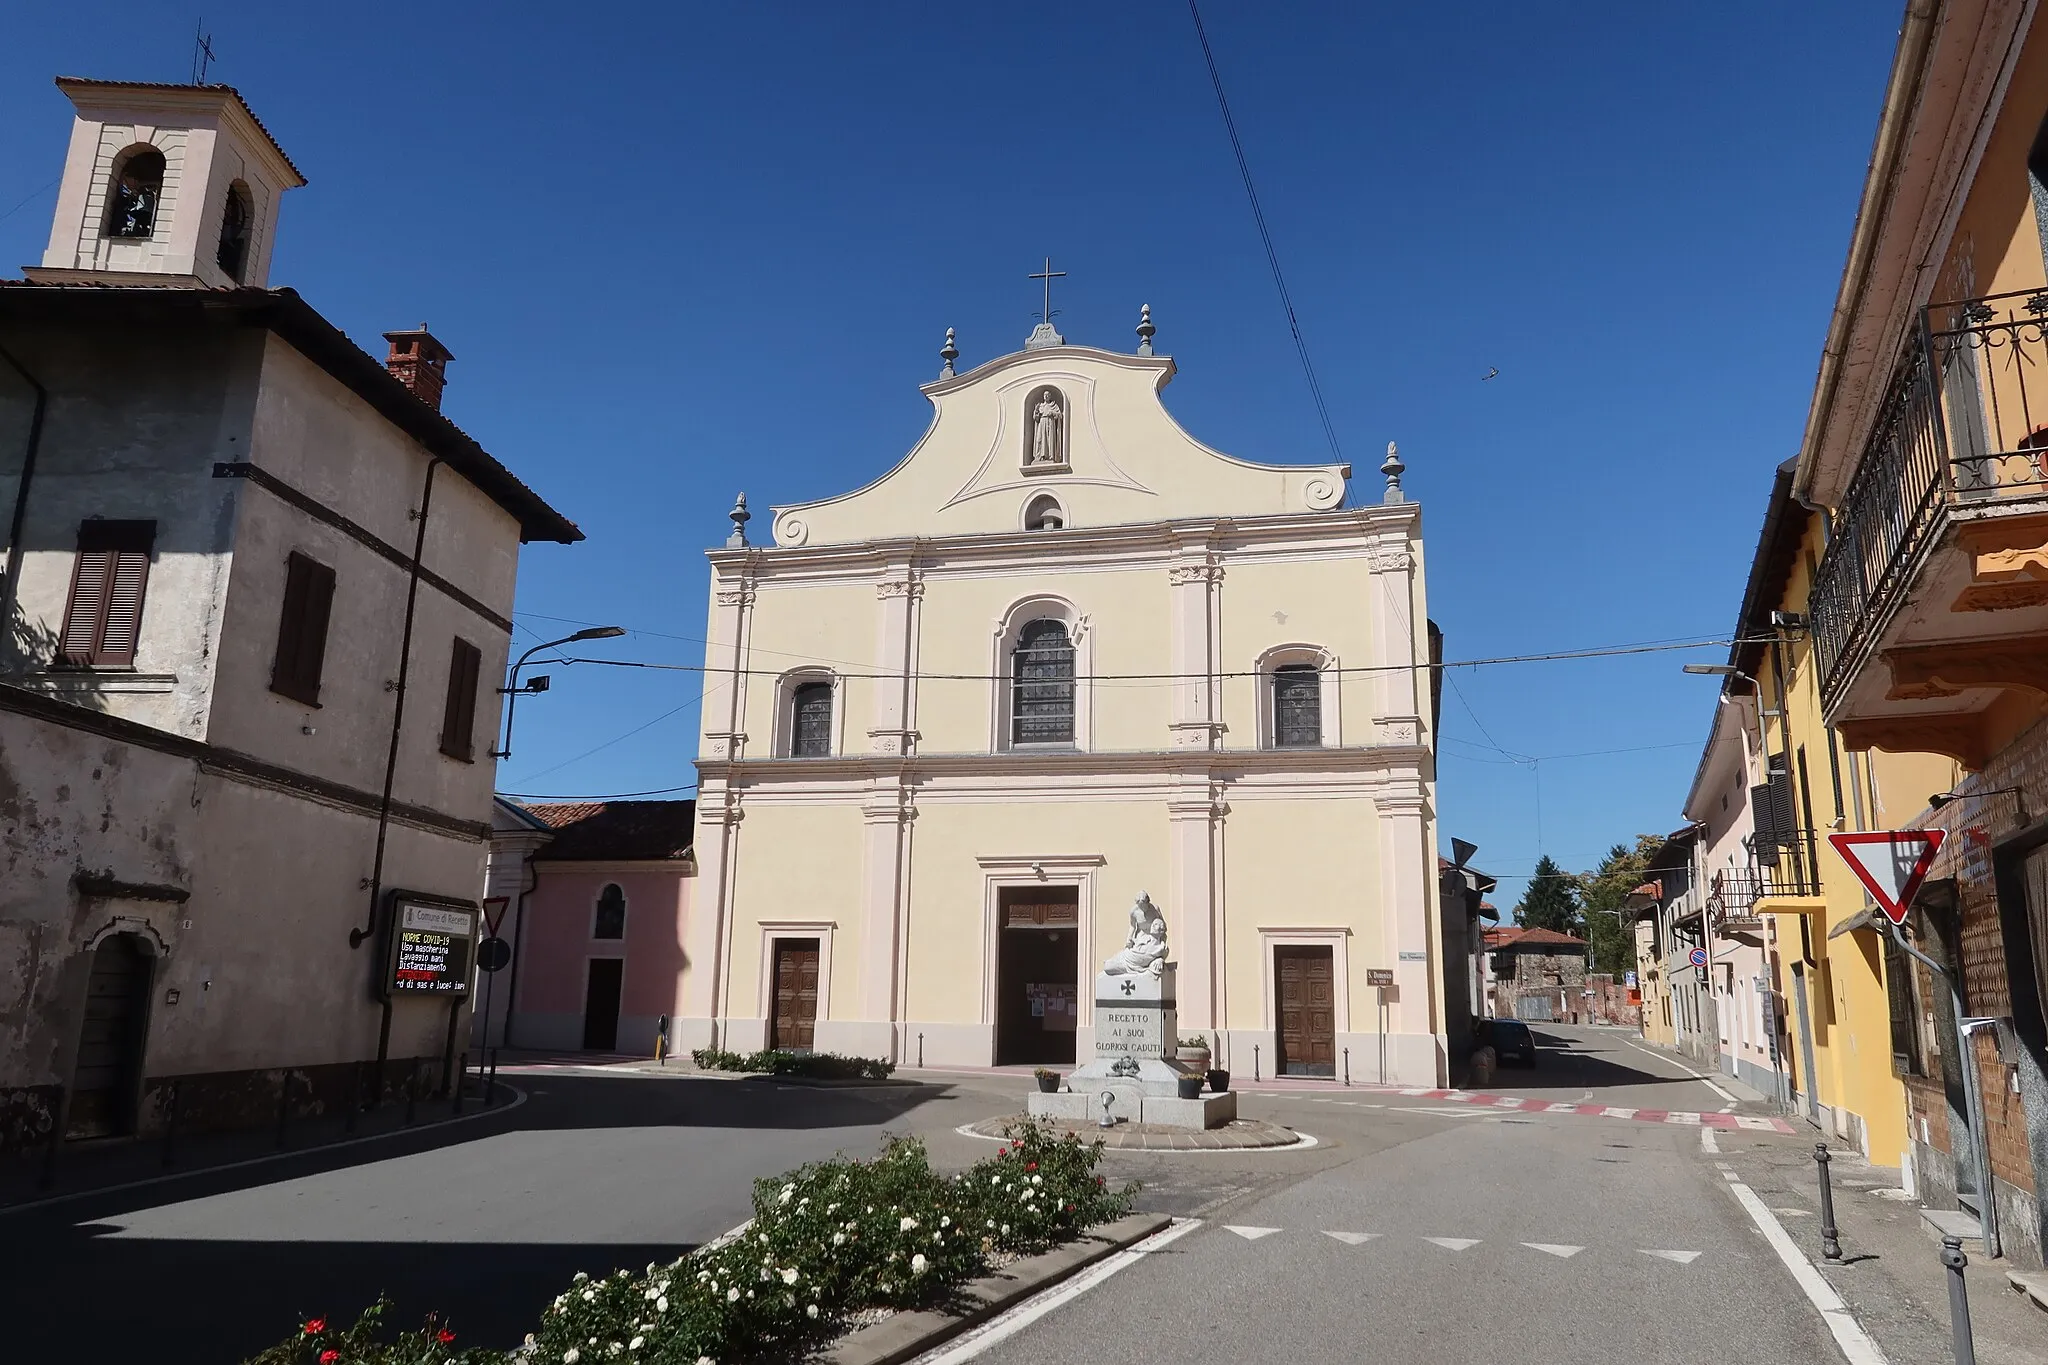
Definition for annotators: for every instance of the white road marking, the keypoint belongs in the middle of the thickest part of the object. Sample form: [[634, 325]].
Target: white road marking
[[1699, 1076], [1351, 1239], [1250, 1234], [1554, 1249], [1453, 1243], [1848, 1333], [1708, 1143], [1792, 1213], [1753, 1123], [1612, 1113], [1682, 1257], [1562, 1108], [1008, 1324]]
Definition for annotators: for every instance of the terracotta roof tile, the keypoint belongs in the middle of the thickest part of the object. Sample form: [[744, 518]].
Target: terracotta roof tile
[[625, 831], [1519, 936]]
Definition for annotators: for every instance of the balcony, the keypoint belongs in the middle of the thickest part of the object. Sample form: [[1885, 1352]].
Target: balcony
[[1937, 569]]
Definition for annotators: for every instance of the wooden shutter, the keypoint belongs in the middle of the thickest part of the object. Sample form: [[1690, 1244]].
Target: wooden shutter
[[103, 615], [458, 718], [302, 630]]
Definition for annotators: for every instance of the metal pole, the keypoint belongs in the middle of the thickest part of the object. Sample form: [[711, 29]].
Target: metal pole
[[461, 1082], [58, 1117], [171, 1127], [1958, 1301], [1830, 1239], [1973, 1095], [412, 1090], [920, 1049], [1347, 1066], [1255, 1061]]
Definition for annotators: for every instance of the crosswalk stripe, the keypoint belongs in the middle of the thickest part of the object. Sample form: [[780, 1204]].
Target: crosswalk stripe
[[1682, 1257], [1251, 1234], [1351, 1238], [1453, 1243]]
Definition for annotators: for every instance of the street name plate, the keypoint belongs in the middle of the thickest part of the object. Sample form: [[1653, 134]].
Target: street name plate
[[1379, 976]]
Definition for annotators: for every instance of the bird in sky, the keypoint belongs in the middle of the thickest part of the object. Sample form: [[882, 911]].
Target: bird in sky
[[1489, 374]]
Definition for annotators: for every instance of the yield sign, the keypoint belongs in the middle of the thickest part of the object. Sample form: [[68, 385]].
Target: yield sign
[[494, 912], [1891, 864]]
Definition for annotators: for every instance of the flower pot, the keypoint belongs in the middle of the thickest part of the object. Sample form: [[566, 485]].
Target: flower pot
[[1219, 1080], [1195, 1057], [1191, 1087], [1048, 1084]]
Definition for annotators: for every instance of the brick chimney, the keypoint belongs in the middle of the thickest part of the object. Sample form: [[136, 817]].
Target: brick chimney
[[419, 362]]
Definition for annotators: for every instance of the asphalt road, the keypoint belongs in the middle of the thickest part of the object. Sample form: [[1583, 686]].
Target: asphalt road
[[486, 1221]]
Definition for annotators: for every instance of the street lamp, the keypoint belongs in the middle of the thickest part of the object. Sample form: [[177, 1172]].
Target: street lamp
[[510, 692], [1719, 671]]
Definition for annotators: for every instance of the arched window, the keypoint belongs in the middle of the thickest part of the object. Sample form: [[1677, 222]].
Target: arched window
[[1044, 514], [810, 727], [235, 215], [1042, 685], [138, 189], [611, 913], [1297, 706]]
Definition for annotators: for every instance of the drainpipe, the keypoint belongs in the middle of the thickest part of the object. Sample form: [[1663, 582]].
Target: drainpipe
[[357, 937], [19, 518]]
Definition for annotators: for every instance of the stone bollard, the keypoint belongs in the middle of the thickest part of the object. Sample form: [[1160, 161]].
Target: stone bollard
[[1484, 1062], [1830, 1239]]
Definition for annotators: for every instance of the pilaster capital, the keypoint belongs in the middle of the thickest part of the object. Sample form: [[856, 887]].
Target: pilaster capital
[[892, 743], [1397, 729], [724, 745], [1179, 575], [910, 585], [1391, 557], [741, 596], [1196, 734]]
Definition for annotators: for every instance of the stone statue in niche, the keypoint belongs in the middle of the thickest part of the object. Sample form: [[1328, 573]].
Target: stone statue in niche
[[1046, 419], [1144, 952]]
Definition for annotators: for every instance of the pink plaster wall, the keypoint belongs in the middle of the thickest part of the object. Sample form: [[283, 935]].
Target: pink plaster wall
[[561, 914]]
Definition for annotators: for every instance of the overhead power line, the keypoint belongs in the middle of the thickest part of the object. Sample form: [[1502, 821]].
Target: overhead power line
[[1251, 193], [607, 796]]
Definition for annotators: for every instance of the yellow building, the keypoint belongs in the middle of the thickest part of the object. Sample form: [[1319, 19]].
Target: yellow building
[[1827, 957], [1062, 655], [1930, 605]]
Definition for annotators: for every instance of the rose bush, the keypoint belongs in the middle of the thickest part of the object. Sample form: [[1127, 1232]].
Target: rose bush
[[319, 1342], [827, 1240], [824, 1066]]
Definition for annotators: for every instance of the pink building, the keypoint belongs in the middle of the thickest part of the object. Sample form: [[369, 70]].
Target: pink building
[[597, 925]]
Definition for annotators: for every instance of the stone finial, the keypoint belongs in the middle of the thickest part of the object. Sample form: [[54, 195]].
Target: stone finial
[[1145, 329], [1393, 469], [740, 517], [950, 354]]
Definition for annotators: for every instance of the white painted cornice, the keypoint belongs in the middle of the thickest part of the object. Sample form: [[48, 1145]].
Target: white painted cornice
[[1048, 357]]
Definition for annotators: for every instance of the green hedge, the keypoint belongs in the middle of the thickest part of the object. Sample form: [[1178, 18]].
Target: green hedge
[[825, 1241], [827, 1066]]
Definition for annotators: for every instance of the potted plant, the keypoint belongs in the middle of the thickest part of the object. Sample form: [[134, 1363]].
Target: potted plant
[[1191, 1085], [1219, 1079], [1048, 1080], [1193, 1052]]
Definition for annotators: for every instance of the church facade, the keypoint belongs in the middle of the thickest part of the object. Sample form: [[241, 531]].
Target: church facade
[[1062, 656]]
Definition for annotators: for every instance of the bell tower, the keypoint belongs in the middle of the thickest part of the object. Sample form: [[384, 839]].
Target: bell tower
[[166, 186]]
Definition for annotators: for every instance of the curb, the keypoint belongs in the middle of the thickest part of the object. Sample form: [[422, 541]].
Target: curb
[[909, 1335]]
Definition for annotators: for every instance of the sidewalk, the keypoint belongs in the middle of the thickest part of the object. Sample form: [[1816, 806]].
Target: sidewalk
[[89, 1166], [1890, 1275]]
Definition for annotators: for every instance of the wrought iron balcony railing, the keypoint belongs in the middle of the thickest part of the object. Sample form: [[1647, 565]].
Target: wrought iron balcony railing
[[1965, 420]]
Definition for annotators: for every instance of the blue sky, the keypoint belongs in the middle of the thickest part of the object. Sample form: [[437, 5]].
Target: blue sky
[[684, 250]]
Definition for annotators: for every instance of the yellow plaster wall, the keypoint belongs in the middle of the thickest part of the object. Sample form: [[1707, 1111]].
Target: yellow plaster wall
[[828, 625], [797, 862], [1294, 864]]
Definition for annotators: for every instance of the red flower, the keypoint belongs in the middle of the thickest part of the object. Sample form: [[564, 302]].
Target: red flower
[[316, 1326], [1030, 1165], [444, 1336], [329, 1357]]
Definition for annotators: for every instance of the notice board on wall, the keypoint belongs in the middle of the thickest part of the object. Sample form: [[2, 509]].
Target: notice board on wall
[[432, 946]]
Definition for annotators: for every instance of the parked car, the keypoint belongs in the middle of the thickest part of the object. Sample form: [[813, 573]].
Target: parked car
[[1510, 1040]]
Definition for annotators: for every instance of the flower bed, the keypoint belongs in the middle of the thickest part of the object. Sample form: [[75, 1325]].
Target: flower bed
[[826, 1066], [828, 1241]]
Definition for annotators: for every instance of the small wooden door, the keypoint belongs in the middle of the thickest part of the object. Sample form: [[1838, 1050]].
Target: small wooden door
[[795, 1022], [110, 1044], [601, 1004], [1307, 991]]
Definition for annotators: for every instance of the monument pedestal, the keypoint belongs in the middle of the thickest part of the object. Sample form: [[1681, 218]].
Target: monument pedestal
[[1135, 1033]]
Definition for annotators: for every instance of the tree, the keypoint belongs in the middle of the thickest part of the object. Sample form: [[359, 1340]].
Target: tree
[[1552, 900], [1605, 888]]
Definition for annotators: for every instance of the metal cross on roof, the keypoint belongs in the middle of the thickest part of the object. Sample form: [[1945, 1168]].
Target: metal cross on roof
[[1048, 275]]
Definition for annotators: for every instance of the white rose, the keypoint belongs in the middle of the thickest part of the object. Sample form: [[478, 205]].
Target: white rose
[[838, 1239], [946, 1221], [918, 1264], [788, 1192], [571, 1356], [636, 1343], [810, 1310], [732, 1295], [661, 1304], [906, 1225], [789, 1276], [1038, 1180]]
